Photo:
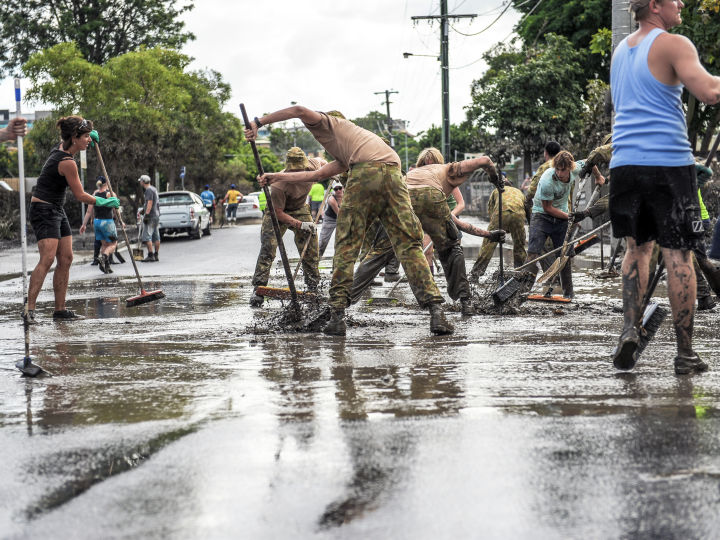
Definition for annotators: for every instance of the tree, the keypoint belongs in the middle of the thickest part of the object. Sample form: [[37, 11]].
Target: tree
[[102, 29], [282, 139], [530, 96], [577, 20], [373, 121]]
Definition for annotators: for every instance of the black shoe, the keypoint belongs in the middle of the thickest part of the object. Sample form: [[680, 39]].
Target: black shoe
[[626, 352], [336, 325], [66, 315], [30, 318], [155, 256], [438, 323], [103, 264], [705, 302], [569, 294], [392, 277], [466, 307], [256, 300], [149, 258], [688, 364], [95, 262]]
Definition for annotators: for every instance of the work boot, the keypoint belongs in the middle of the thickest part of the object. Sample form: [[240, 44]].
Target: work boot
[[705, 302], [256, 300], [688, 364], [156, 257], [626, 352], [150, 258], [103, 264], [438, 323], [336, 325], [95, 262], [66, 315], [30, 316], [392, 277], [466, 307]]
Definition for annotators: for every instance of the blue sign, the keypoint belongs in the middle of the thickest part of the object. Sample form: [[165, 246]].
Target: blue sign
[[182, 172]]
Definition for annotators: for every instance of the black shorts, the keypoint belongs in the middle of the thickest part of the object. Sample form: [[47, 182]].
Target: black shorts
[[656, 203], [49, 221]]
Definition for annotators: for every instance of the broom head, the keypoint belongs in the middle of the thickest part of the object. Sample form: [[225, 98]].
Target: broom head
[[283, 293], [552, 298], [587, 243], [144, 297], [28, 368], [652, 320]]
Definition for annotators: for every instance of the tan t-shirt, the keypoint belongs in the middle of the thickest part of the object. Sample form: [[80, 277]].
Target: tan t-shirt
[[292, 196], [444, 177], [351, 144]]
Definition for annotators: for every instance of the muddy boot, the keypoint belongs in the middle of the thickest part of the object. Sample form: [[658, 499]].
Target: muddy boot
[[477, 270], [705, 302], [438, 323], [626, 352], [106, 262], [103, 264], [392, 278], [688, 364], [336, 325], [466, 307], [256, 300]]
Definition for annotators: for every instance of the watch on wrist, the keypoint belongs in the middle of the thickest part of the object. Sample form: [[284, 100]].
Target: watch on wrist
[[258, 123]]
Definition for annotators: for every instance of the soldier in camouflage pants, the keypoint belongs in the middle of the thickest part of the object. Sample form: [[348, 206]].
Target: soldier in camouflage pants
[[269, 247], [377, 190], [513, 221]]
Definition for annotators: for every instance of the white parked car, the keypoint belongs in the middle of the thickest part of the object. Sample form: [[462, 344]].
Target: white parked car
[[183, 212], [249, 207]]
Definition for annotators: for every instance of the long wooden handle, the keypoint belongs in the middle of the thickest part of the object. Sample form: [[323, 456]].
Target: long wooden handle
[[273, 215], [315, 221]]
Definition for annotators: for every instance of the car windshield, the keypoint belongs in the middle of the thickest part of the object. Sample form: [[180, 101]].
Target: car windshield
[[175, 198]]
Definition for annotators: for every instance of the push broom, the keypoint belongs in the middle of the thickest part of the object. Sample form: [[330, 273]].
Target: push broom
[[26, 365], [295, 307], [145, 296]]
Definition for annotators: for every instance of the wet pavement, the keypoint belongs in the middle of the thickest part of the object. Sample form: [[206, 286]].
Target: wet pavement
[[193, 417]]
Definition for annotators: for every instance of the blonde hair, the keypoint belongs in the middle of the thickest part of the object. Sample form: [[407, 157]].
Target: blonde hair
[[564, 160], [429, 156]]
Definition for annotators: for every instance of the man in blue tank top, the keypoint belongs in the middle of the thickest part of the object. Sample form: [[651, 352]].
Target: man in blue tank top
[[653, 195]]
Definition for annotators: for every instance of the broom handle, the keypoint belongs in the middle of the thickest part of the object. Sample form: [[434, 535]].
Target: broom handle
[[315, 221], [117, 212], [500, 243], [425, 250], [273, 215], [545, 255], [23, 220], [616, 251]]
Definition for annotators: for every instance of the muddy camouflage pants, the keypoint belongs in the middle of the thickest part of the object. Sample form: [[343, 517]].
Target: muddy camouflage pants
[[513, 224], [377, 190], [269, 247]]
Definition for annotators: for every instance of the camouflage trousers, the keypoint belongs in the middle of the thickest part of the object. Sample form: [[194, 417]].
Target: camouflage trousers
[[513, 224], [377, 190], [268, 248]]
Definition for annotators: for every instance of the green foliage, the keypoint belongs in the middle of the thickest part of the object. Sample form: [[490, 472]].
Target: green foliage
[[534, 99], [373, 121], [595, 123], [577, 20], [282, 139], [464, 138], [152, 114], [102, 29]]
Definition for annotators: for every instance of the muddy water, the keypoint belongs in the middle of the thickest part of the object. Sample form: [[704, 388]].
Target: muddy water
[[197, 417]]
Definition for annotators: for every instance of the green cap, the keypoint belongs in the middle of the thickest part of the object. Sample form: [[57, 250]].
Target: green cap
[[296, 160]]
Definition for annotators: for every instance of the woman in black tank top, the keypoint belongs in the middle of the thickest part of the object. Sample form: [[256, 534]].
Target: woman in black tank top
[[48, 218]]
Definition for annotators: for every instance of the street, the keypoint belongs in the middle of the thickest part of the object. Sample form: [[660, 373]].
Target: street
[[193, 417]]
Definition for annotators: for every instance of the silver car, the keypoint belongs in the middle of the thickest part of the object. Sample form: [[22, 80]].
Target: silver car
[[250, 206], [183, 212]]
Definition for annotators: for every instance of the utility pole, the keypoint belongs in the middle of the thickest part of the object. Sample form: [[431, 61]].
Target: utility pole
[[389, 120], [444, 62], [622, 23]]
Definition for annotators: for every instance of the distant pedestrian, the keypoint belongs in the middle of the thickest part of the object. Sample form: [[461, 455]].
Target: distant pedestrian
[[104, 226], [232, 198], [332, 209], [151, 220], [317, 194], [208, 199], [48, 219]]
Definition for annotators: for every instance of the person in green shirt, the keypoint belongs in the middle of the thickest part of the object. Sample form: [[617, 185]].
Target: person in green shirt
[[317, 193]]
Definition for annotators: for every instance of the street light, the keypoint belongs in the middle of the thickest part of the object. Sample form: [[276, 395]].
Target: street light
[[408, 54], [293, 103]]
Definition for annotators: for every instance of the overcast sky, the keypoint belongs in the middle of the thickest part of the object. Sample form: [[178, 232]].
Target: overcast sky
[[335, 54]]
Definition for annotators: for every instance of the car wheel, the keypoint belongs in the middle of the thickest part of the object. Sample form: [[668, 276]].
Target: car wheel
[[206, 231], [196, 233]]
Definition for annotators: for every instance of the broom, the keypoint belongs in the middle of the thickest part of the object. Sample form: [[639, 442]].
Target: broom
[[26, 365], [653, 313], [145, 296]]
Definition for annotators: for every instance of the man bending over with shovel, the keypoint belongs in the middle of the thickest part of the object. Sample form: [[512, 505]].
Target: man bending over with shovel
[[289, 201], [375, 188]]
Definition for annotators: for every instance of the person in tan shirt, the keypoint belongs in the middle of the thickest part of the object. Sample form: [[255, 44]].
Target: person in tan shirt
[[290, 202], [375, 189]]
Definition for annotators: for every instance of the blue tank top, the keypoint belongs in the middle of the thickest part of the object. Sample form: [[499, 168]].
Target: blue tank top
[[650, 126]]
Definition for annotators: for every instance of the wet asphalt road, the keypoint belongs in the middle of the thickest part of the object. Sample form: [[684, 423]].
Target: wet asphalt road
[[185, 418]]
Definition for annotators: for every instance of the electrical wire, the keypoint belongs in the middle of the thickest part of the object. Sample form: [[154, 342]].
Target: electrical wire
[[508, 6]]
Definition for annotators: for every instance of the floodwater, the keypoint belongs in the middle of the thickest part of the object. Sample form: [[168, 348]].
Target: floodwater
[[197, 417]]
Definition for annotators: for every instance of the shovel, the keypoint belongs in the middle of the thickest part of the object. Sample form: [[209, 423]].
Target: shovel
[[26, 365], [295, 307], [137, 253]]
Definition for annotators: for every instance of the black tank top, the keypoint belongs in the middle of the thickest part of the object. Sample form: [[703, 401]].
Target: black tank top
[[103, 212], [51, 185], [329, 212]]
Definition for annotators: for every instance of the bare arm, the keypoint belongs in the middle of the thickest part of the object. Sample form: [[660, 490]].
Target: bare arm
[[68, 169], [552, 211], [466, 227], [326, 171], [86, 218], [286, 219], [332, 202], [460, 202], [297, 111], [684, 59]]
